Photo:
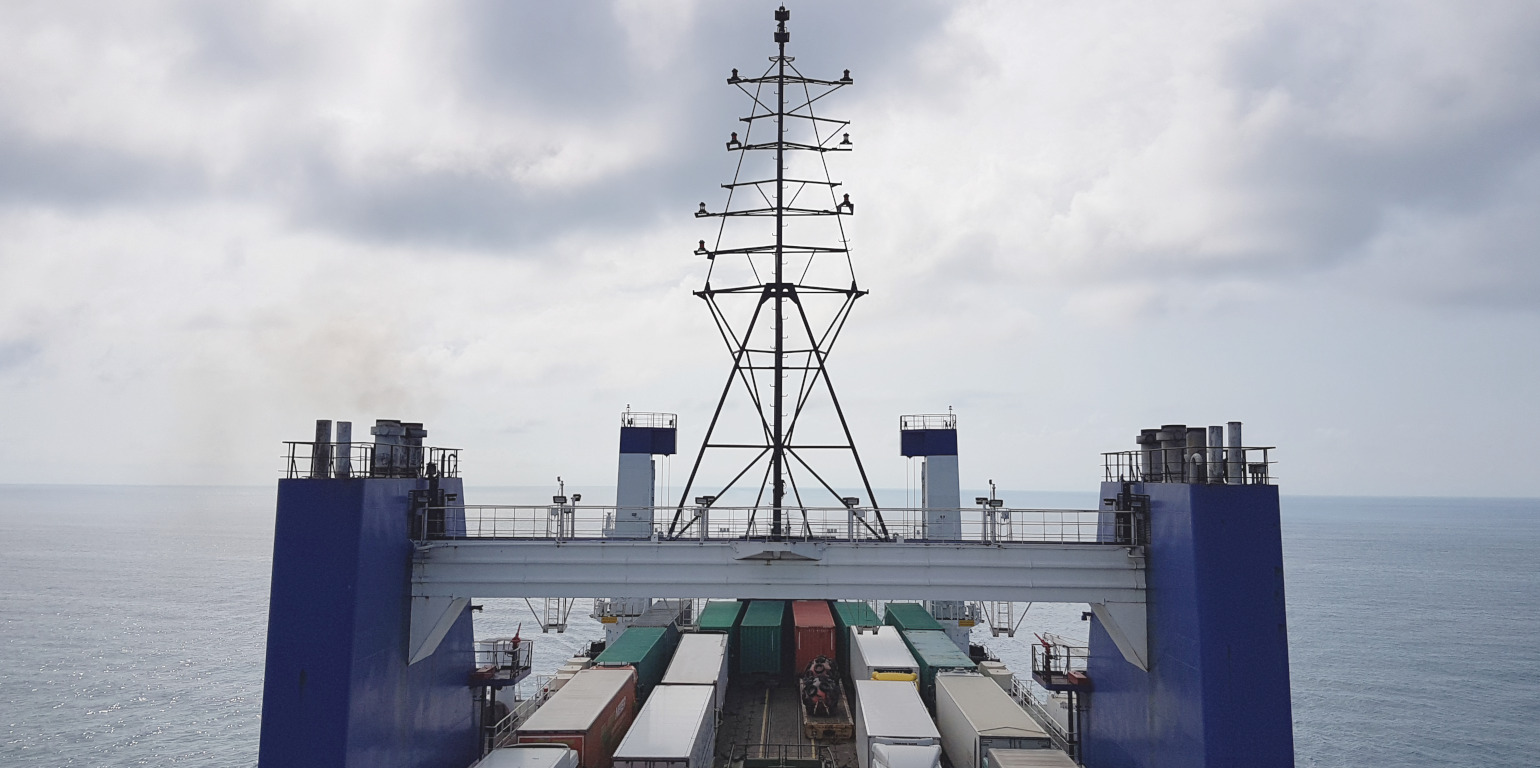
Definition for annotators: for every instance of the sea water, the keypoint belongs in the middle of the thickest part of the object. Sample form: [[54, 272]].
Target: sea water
[[132, 623]]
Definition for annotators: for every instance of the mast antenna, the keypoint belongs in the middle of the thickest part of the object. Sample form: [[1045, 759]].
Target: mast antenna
[[779, 305]]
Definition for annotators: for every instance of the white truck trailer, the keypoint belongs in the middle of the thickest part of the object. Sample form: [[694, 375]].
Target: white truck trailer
[[677, 728], [881, 655], [530, 756], [893, 730], [1030, 758], [701, 659], [974, 715]]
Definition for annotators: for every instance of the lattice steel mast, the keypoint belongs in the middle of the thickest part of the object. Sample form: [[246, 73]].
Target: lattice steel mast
[[777, 422]]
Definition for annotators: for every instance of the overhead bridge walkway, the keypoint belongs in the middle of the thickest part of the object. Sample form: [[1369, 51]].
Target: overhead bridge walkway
[[562, 551]]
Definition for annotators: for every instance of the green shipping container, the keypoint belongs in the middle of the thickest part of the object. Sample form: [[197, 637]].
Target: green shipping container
[[847, 614], [935, 652], [907, 616], [722, 616], [648, 649], [761, 634]]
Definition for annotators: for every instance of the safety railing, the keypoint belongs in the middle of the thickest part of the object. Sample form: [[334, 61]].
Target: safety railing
[[563, 522], [346, 460], [1026, 694], [928, 421], [780, 755], [505, 731], [1201, 464], [509, 655], [649, 420]]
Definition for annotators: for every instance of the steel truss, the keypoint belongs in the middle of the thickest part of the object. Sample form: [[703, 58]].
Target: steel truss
[[779, 301]]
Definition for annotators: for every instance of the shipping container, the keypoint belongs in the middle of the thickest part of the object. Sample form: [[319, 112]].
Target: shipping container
[[720, 616], [760, 634], [812, 633], [847, 614], [1030, 758], [646, 649], [908, 616], [677, 728], [935, 653], [881, 654], [589, 714], [893, 730], [662, 613], [974, 716], [530, 756], [701, 659]]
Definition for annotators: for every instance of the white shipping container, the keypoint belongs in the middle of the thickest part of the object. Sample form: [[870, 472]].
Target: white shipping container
[[881, 655], [701, 659], [677, 728], [890, 715], [1030, 758], [975, 715], [530, 756]]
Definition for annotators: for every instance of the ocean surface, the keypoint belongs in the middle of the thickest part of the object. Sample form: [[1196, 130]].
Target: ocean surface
[[132, 622]]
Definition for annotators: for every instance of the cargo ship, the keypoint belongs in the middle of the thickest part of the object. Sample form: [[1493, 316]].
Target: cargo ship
[[780, 617]]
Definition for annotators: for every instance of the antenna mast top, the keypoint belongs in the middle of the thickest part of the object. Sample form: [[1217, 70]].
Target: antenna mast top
[[781, 304]]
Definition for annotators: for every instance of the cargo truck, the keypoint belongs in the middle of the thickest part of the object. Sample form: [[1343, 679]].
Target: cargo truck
[[530, 756], [590, 714], [936, 653], [881, 654], [701, 659], [646, 649], [974, 716], [908, 616], [677, 728], [1030, 758], [893, 730]]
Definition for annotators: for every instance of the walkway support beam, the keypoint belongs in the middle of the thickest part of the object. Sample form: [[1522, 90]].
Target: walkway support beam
[[1022, 572]]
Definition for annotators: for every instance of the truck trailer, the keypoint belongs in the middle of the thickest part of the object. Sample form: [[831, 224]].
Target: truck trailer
[[893, 730]]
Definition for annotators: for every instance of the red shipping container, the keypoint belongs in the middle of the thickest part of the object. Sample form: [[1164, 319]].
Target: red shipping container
[[591, 714], [812, 630]]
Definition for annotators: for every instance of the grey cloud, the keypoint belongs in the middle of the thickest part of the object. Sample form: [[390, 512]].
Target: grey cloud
[[73, 174], [16, 353], [573, 62]]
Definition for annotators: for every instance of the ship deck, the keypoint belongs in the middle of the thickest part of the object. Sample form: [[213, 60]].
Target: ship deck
[[769, 716]]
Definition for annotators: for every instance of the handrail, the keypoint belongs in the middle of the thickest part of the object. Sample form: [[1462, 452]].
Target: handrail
[[1213, 465], [350, 460], [992, 526]]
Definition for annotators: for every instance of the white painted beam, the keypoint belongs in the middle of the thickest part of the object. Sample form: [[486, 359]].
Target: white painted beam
[[1023, 572]]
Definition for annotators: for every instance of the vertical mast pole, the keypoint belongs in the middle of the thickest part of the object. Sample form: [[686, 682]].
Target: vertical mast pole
[[778, 455]]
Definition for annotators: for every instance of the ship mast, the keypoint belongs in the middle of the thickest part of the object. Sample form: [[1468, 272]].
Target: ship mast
[[802, 274]]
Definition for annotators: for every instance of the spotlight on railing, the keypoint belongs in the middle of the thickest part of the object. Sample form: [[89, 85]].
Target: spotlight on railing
[[851, 501], [704, 501]]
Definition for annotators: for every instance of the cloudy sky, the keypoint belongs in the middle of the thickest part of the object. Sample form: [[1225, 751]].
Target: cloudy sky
[[221, 221]]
